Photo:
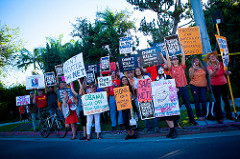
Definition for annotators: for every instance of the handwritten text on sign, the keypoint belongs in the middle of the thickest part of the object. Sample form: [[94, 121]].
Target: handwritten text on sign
[[94, 103], [191, 40], [173, 45], [165, 98], [123, 98], [144, 90], [222, 43], [74, 68], [104, 81], [22, 100]]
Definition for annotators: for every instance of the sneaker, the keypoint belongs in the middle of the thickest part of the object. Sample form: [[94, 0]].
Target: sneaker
[[156, 130], [127, 137], [134, 136], [194, 123], [174, 133]]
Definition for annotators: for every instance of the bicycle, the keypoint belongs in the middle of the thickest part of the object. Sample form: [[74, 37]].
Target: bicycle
[[53, 121]]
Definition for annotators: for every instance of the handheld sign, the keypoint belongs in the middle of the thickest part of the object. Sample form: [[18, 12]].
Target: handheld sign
[[74, 68], [22, 100], [165, 98], [127, 63], [105, 81], [60, 93], [222, 43], [50, 79], [173, 45], [123, 98], [125, 45], [94, 67], [105, 64], [94, 103], [160, 47], [90, 78], [59, 70], [35, 82], [149, 57], [191, 40], [144, 96]]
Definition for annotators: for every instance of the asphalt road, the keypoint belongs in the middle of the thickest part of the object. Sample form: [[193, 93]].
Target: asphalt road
[[222, 145]]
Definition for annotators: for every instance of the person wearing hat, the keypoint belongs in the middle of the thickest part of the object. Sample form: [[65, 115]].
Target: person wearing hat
[[178, 73], [219, 85], [33, 110]]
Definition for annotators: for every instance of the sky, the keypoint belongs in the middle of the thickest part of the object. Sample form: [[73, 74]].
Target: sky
[[38, 19]]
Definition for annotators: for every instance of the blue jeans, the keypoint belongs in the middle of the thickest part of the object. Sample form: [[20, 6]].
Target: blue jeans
[[34, 121], [113, 112], [183, 92], [57, 111], [148, 124], [199, 95]]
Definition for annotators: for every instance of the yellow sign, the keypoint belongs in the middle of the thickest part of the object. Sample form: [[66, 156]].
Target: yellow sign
[[123, 98], [191, 40]]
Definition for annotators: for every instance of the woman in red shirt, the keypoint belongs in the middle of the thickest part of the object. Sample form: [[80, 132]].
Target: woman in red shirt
[[219, 85]]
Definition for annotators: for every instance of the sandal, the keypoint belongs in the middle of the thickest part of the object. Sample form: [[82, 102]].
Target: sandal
[[99, 138], [87, 140], [73, 138]]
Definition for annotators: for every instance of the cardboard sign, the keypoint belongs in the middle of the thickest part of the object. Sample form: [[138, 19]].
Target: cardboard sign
[[22, 100], [149, 57], [90, 77], [50, 78], [74, 68], [191, 40], [172, 45], [125, 45], [94, 103], [94, 67], [105, 81], [123, 98], [222, 43], [165, 98], [35, 82], [127, 63], [160, 47], [144, 95], [60, 93], [105, 63], [59, 70]]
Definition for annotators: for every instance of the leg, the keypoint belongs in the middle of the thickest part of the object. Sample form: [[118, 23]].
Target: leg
[[217, 104], [89, 124], [196, 94], [112, 104], [97, 123], [120, 118], [225, 96], [185, 97], [34, 121], [203, 96], [74, 130]]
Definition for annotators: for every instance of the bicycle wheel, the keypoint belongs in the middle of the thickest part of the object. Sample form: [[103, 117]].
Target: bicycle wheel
[[44, 129], [60, 129]]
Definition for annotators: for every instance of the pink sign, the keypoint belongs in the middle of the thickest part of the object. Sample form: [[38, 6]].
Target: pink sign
[[144, 90]]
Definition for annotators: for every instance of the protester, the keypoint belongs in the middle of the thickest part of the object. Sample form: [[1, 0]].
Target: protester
[[41, 101], [178, 73], [80, 107], [198, 86], [90, 118], [219, 85], [71, 116], [22, 113], [33, 110]]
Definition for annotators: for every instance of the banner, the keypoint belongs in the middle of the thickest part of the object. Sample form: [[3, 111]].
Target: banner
[[105, 63], [59, 70], [144, 96], [74, 68], [22, 100], [125, 45], [90, 77], [94, 67], [160, 47], [50, 78], [94, 103], [191, 40], [127, 63], [223, 46], [35, 82], [173, 45], [60, 93], [123, 98], [149, 57], [165, 98], [105, 81]]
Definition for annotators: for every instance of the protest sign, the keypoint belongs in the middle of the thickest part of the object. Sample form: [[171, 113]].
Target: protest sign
[[172, 45], [60, 93], [165, 98], [144, 95], [127, 63], [105, 81], [105, 63], [94, 67], [160, 47], [90, 77], [149, 57], [191, 40], [50, 78], [94, 103], [125, 45], [59, 70], [123, 98], [35, 82], [74, 68], [223, 46], [22, 100], [112, 68]]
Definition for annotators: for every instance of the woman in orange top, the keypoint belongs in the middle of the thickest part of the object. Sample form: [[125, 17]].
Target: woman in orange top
[[198, 86]]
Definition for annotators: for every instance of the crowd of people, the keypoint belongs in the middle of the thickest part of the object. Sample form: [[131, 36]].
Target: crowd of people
[[209, 77]]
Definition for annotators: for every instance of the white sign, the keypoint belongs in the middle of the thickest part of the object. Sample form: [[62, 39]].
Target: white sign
[[50, 78], [125, 45], [22, 100], [104, 81], [35, 82], [74, 68]]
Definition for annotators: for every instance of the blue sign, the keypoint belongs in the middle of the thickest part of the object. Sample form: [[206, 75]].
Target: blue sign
[[160, 47], [127, 63]]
